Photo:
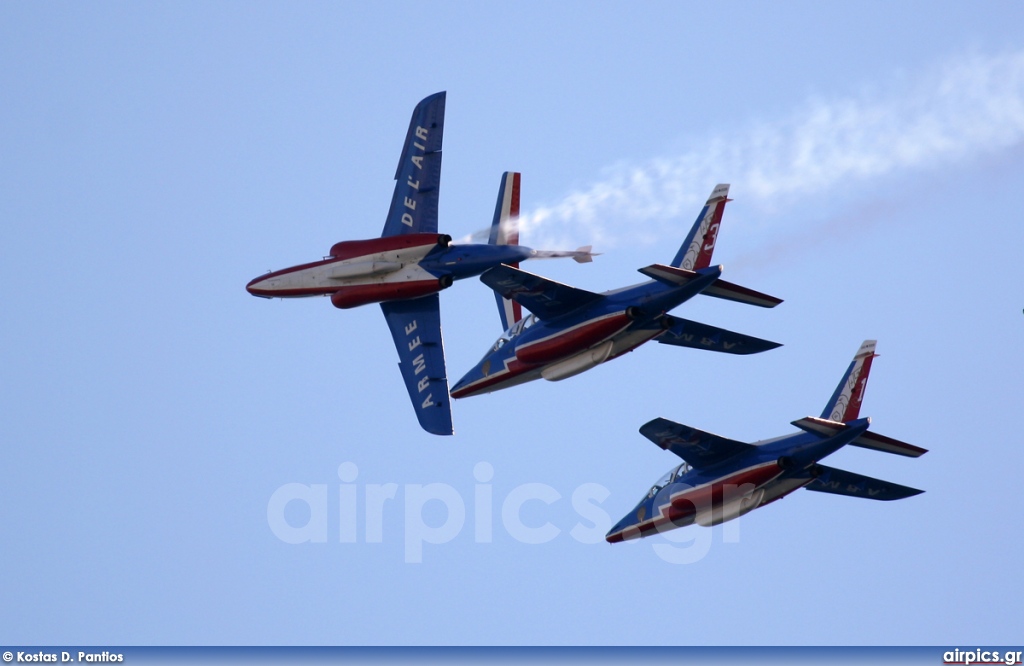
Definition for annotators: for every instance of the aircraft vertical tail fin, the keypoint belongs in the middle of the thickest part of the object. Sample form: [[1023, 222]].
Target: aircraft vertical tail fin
[[845, 402], [695, 252], [505, 231]]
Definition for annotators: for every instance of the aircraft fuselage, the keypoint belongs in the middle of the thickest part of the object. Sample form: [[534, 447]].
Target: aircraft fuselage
[[580, 339], [385, 269], [732, 488]]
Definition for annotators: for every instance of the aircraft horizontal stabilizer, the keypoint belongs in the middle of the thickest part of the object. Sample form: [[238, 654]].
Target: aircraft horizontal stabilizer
[[868, 440], [841, 482], [670, 275], [734, 292], [699, 448], [583, 254], [687, 333], [719, 288]]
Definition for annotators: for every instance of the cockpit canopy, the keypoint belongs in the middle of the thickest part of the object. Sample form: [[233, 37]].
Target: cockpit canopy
[[514, 330], [671, 476]]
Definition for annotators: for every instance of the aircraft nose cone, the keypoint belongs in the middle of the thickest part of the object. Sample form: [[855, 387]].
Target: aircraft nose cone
[[254, 287], [456, 390], [461, 387]]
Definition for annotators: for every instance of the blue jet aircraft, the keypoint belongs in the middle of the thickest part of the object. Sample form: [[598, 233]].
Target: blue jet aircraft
[[721, 479], [410, 263], [572, 330]]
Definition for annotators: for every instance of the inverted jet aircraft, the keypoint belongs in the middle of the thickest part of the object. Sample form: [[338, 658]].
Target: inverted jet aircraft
[[571, 330], [721, 479], [409, 264]]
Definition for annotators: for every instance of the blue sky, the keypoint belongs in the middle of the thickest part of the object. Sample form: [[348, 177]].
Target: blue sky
[[155, 157]]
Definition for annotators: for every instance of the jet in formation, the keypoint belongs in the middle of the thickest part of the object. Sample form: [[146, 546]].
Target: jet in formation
[[721, 479], [571, 330], [410, 263]]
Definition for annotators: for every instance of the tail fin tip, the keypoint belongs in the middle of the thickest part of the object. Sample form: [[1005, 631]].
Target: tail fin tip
[[846, 400], [505, 224], [505, 231], [696, 251], [720, 192]]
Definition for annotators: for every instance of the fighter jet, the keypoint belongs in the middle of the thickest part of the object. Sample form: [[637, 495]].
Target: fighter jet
[[410, 263], [721, 479], [571, 330]]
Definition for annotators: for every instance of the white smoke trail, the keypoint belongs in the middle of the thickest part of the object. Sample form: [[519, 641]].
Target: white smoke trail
[[967, 108]]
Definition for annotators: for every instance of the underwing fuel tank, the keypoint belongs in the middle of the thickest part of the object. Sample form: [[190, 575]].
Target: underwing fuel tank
[[362, 248], [351, 297], [578, 363], [731, 510]]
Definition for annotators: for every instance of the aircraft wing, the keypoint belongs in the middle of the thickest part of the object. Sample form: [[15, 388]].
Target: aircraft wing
[[699, 448], [416, 329], [414, 203], [545, 298], [686, 333], [841, 482]]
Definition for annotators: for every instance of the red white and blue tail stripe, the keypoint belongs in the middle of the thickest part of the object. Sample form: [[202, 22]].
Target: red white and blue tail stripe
[[845, 402], [695, 252], [505, 231]]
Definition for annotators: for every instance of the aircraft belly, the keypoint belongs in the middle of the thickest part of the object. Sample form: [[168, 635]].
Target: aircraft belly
[[321, 281], [781, 488], [407, 273], [630, 340], [325, 277], [346, 269], [380, 262], [669, 521], [305, 282], [710, 503], [397, 286], [514, 380], [514, 374], [730, 510], [576, 364]]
